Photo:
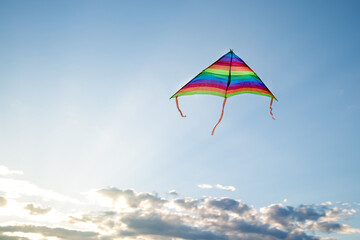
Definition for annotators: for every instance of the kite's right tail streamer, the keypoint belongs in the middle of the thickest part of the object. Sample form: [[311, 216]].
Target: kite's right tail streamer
[[177, 105], [222, 113], [271, 108]]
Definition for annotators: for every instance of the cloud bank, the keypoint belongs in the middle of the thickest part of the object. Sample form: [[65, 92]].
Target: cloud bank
[[114, 213]]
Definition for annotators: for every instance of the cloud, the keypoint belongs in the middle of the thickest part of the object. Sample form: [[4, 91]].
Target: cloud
[[14, 188], [289, 217], [330, 227], [226, 188], [205, 186], [218, 186], [211, 218], [132, 199], [3, 201], [61, 233], [149, 216], [173, 193], [165, 225], [36, 210], [113, 213], [6, 171], [227, 204]]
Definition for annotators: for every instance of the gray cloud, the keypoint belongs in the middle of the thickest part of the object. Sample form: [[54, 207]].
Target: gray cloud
[[167, 226], [328, 227], [187, 203], [228, 204], [133, 199], [61, 233], [212, 218], [149, 216], [173, 193], [289, 217], [36, 210], [4, 237]]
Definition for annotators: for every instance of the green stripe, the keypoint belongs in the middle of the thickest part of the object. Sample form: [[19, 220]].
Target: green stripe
[[252, 92], [226, 73], [217, 71], [242, 73], [212, 75], [199, 92], [247, 76]]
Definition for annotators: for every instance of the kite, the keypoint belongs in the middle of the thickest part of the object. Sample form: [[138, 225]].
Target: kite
[[226, 77]]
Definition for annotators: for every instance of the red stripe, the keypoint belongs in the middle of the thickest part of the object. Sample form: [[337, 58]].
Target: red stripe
[[249, 89], [247, 86], [205, 85], [236, 64]]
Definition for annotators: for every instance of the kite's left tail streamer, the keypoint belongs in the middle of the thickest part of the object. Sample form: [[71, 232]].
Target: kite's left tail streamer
[[222, 113], [177, 105], [271, 108]]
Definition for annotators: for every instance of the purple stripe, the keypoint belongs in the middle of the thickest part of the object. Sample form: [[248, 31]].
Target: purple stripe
[[224, 59], [246, 83], [234, 59]]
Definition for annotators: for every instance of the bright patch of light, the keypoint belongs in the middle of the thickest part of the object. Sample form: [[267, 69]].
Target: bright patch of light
[[32, 236]]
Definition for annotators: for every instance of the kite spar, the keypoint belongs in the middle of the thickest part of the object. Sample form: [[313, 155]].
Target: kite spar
[[227, 77]]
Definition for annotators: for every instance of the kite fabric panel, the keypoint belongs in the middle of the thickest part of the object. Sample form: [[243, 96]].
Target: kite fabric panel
[[227, 77]]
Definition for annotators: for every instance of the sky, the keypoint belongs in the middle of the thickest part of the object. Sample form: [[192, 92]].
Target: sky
[[91, 146]]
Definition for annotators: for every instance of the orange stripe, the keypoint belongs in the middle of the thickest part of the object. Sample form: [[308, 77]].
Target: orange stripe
[[241, 69], [219, 67]]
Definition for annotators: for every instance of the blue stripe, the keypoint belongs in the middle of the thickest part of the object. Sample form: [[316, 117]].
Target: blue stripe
[[237, 57], [245, 80], [211, 77]]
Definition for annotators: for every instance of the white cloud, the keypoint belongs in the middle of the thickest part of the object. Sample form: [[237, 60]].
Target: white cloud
[[226, 188], [6, 171], [14, 188], [328, 203], [218, 186], [205, 186]]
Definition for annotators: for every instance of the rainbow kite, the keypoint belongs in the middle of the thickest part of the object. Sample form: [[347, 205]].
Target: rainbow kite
[[227, 77]]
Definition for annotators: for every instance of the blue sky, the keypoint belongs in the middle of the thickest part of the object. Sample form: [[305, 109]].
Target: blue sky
[[85, 87]]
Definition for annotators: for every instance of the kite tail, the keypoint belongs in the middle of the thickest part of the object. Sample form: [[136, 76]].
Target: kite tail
[[222, 113], [177, 105], [271, 108]]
